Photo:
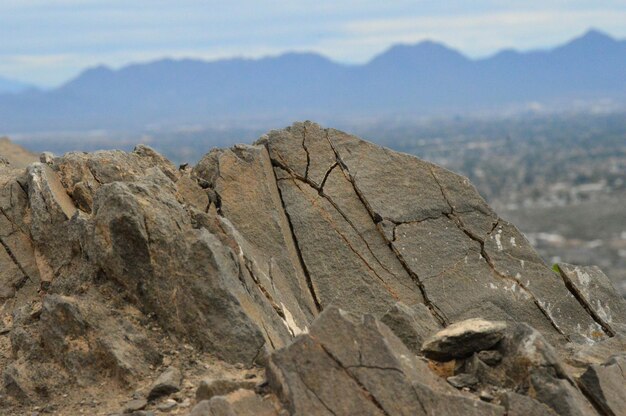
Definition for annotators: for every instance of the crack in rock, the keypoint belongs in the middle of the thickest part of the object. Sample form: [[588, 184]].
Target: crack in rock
[[10, 253], [306, 150], [305, 270], [314, 393], [326, 175], [346, 240], [606, 327], [364, 389], [434, 310], [320, 191], [459, 223]]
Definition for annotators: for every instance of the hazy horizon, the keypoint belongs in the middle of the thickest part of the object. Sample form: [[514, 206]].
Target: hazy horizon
[[46, 45], [294, 51]]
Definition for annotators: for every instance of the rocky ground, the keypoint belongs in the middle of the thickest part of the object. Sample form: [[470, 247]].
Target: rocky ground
[[310, 273]]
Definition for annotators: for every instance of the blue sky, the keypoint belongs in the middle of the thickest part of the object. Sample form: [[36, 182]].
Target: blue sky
[[49, 41]]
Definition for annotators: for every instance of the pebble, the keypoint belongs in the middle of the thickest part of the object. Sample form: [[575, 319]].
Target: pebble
[[46, 157], [167, 405], [486, 396], [134, 405], [463, 380], [167, 383], [143, 413]]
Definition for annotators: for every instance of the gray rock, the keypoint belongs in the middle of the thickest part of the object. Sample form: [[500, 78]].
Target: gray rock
[[597, 353], [6, 292], [411, 324], [594, 291], [142, 413], [247, 256], [348, 365], [531, 366], [46, 157], [220, 387], [237, 403], [244, 184], [167, 405], [167, 383], [347, 241], [45, 181], [560, 394], [203, 408], [606, 385], [134, 405], [144, 239], [68, 328], [463, 380], [490, 357], [463, 339], [519, 405]]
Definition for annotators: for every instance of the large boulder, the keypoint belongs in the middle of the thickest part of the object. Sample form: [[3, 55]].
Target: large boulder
[[311, 252]]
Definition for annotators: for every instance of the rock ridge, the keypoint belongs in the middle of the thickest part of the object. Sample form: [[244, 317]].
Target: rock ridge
[[334, 265]]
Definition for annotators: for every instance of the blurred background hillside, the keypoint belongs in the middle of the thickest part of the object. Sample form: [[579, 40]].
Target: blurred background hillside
[[528, 101]]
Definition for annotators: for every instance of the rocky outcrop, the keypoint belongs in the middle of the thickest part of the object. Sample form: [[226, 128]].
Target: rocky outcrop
[[363, 281]]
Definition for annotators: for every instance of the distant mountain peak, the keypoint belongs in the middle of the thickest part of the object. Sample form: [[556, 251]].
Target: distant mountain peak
[[96, 72], [99, 69], [595, 34], [592, 38], [423, 46], [422, 52], [426, 78]]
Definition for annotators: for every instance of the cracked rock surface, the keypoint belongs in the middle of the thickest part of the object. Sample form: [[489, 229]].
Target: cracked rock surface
[[313, 270]]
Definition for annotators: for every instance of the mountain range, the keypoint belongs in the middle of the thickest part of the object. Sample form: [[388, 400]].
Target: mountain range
[[10, 86], [426, 78]]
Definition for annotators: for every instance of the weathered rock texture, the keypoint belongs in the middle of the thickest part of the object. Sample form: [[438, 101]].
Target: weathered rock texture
[[343, 268]]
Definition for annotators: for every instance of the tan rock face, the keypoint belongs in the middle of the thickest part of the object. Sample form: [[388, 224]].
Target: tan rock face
[[15, 154], [107, 255]]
